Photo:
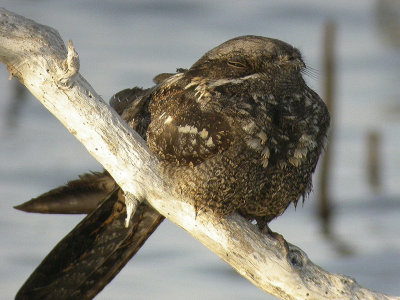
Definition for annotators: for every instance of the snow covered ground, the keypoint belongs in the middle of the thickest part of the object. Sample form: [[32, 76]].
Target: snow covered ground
[[124, 43]]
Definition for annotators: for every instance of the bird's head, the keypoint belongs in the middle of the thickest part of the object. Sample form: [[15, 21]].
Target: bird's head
[[246, 55]]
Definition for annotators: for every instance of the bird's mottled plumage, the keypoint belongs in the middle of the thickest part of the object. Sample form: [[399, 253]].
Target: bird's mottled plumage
[[238, 131]]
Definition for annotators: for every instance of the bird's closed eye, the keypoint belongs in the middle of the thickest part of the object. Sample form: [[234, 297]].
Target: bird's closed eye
[[236, 64]]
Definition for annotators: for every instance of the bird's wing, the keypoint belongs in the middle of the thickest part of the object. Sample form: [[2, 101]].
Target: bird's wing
[[124, 99], [89, 257], [203, 119], [182, 132]]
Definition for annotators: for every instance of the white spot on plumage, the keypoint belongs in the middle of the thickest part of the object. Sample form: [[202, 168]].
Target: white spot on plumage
[[252, 76], [308, 141], [265, 153], [271, 99], [171, 80], [248, 106], [250, 127], [224, 81], [265, 157], [298, 96], [255, 97], [282, 164], [220, 82], [187, 129], [300, 153], [203, 134], [263, 136], [209, 142], [195, 81], [189, 85], [294, 161], [254, 144], [168, 120]]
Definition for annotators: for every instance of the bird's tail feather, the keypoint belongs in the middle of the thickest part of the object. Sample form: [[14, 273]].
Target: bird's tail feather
[[93, 253], [79, 196]]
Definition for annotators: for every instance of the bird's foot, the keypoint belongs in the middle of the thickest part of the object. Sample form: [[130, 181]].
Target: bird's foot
[[275, 235]]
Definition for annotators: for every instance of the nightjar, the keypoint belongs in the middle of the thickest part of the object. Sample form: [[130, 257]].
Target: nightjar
[[240, 130]]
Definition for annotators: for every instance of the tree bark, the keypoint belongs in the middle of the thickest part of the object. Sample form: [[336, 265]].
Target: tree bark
[[37, 56]]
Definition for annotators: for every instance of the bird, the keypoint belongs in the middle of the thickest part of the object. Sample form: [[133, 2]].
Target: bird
[[239, 131]]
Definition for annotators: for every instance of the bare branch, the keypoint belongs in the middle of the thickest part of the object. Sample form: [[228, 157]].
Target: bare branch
[[37, 55]]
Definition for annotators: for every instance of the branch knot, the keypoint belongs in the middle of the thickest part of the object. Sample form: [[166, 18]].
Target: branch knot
[[70, 67]]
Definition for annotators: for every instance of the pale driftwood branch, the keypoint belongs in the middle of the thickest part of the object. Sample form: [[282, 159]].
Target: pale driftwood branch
[[37, 56]]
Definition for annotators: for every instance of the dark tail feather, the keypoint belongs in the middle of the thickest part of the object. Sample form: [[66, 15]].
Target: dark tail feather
[[80, 196], [90, 256]]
